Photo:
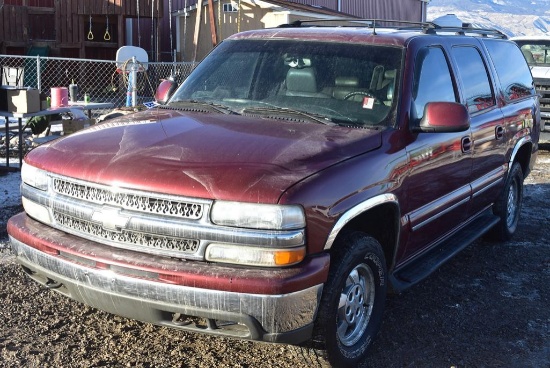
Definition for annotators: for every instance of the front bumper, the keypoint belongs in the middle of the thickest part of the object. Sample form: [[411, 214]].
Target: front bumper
[[139, 293]]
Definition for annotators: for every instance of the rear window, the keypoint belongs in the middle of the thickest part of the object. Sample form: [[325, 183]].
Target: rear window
[[537, 53], [512, 69]]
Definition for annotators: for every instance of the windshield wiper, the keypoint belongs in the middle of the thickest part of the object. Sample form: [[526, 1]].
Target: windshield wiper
[[208, 106], [277, 112]]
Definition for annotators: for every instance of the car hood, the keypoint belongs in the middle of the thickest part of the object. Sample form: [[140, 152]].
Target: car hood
[[202, 155]]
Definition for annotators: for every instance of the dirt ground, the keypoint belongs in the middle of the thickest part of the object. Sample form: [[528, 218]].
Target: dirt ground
[[488, 307]]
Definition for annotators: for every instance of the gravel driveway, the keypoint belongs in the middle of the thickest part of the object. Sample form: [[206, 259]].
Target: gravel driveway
[[488, 307]]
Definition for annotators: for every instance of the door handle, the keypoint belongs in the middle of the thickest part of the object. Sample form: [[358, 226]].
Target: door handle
[[466, 144], [499, 132]]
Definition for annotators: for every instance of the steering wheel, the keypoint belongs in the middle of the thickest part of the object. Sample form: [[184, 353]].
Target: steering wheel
[[360, 93]]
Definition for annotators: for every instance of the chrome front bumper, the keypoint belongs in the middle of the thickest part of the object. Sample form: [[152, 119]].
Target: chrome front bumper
[[286, 318]]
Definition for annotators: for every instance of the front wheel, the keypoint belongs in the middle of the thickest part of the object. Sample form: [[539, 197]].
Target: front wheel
[[353, 299], [508, 205]]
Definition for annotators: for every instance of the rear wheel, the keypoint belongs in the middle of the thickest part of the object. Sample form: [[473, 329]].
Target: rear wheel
[[508, 205], [353, 299]]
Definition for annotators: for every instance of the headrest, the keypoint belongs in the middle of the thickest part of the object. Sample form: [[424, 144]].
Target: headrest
[[302, 80]]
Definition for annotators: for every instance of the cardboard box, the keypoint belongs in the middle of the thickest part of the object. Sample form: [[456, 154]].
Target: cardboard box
[[23, 100], [71, 126]]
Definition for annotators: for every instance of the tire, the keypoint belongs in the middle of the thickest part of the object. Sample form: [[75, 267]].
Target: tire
[[508, 205], [353, 299]]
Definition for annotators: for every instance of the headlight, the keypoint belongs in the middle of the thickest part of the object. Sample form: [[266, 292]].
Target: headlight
[[34, 177], [258, 216], [253, 256]]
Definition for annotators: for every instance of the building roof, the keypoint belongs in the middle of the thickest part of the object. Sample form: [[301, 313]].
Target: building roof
[[291, 6], [308, 8]]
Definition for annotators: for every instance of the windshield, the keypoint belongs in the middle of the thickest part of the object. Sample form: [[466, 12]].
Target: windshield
[[537, 53], [335, 83]]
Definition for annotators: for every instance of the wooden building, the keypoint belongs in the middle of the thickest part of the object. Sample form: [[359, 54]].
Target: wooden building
[[409, 10], [92, 29], [95, 29]]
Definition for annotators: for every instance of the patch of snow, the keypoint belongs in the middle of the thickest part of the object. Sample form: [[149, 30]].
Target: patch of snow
[[10, 193]]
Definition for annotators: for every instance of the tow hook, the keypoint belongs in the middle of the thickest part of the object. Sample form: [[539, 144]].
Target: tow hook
[[52, 284]]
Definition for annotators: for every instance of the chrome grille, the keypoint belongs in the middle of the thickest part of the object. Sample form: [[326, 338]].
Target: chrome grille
[[542, 86], [129, 238], [128, 200]]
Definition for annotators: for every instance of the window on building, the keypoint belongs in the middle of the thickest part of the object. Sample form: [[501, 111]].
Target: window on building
[[41, 3], [31, 3], [40, 27], [230, 8]]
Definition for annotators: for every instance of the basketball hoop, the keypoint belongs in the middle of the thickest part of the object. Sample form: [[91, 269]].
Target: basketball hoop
[[131, 60]]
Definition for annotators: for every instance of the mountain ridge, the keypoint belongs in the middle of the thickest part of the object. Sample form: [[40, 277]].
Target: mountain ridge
[[512, 17]]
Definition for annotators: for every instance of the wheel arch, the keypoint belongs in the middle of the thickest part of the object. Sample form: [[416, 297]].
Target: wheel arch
[[522, 154], [378, 217]]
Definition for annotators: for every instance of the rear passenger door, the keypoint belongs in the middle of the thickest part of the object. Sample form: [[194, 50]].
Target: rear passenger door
[[487, 124]]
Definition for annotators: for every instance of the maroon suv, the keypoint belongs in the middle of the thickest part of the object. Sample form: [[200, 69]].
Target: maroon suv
[[296, 176]]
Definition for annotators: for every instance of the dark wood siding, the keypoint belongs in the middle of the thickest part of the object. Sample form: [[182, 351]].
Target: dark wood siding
[[14, 24], [63, 25], [71, 22]]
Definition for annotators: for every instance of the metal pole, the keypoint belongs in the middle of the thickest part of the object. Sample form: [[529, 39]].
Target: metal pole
[[134, 81], [38, 79]]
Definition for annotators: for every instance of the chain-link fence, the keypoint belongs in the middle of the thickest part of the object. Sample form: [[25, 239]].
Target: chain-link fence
[[102, 80]]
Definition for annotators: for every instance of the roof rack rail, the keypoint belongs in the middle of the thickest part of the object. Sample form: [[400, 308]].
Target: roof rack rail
[[467, 29], [425, 27]]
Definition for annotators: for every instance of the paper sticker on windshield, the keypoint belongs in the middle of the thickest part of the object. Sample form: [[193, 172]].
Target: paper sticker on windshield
[[368, 102]]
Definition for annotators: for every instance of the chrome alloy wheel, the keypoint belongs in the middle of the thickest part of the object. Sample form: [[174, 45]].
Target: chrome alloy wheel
[[512, 204], [356, 305]]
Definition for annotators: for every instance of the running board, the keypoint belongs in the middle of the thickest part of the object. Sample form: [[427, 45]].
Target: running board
[[421, 267]]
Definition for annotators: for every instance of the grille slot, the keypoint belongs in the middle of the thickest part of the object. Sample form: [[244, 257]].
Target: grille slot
[[128, 200], [129, 239], [543, 89]]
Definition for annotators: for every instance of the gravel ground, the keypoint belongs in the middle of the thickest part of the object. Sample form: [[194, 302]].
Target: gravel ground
[[488, 307]]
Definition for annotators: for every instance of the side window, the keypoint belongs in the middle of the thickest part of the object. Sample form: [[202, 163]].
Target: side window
[[475, 81], [432, 80], [513, 72]]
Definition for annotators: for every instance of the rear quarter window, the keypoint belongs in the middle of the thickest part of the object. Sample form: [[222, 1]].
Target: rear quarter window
[[512, 69]]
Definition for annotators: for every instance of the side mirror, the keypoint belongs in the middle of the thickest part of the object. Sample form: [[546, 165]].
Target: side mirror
[[164, 90], [441, 117]]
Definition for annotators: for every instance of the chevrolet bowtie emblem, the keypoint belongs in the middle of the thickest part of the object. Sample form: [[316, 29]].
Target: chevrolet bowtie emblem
[[110, 218]]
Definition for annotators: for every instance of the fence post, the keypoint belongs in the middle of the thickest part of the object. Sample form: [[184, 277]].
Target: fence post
[[38, 81]]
